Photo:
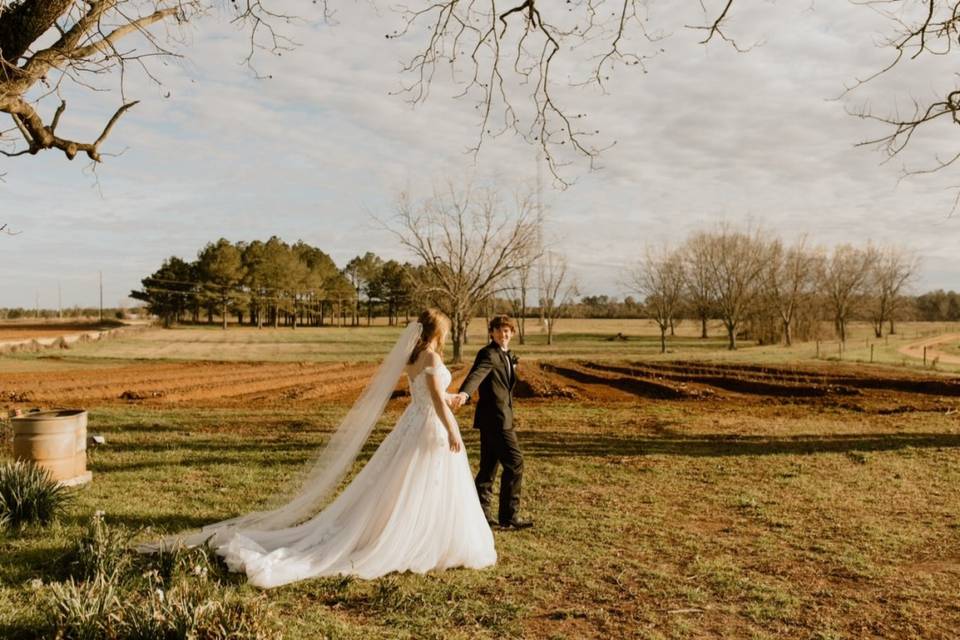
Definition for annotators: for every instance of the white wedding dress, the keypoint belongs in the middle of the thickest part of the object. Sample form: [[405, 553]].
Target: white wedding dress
[[413, 507]]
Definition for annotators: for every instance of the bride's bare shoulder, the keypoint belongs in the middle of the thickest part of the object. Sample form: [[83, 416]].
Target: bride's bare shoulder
[[426, 360]]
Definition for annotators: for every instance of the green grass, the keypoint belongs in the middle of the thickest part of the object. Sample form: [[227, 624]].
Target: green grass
[[654, 520], [577, 338]]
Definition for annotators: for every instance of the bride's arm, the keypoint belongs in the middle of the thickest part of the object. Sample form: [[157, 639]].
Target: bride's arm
[[438, 397]]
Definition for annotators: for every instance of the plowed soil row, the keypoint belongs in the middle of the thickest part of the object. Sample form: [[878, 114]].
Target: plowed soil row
[[220, 384], [858, 389], [280, 384]]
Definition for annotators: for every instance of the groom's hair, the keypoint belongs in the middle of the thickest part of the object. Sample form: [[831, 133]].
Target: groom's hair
[[501, 321]]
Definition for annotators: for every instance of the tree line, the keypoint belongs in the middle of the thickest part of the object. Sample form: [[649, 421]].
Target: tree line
[[275, 283], [767, 290]]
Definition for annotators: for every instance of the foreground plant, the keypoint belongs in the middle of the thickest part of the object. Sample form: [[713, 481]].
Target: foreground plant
[[29, 495], [116, 594]]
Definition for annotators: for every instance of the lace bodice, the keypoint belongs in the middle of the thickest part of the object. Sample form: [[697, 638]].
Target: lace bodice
[[420, 392]]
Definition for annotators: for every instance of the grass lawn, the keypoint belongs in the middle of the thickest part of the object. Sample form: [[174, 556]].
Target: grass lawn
[[576, 338], [655, 519]]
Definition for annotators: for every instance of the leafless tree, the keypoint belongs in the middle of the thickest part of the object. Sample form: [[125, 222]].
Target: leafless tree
[[557, 290], [893, 270], [660, 278], [509, 59], [469, 248], [504, 56], [699, 283], [843, 279], [45, 44], [736, 262], [790, 280], [520, 285]]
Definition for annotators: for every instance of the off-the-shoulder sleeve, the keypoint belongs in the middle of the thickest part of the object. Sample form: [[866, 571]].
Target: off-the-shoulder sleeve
[[431, 371]]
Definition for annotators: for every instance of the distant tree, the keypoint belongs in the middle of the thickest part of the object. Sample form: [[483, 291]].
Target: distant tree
[[843, 279], [736, 260], [468, 246], [256, 280], [520, 285], [392, 285], [660, 279], [939, 306], [360, 271], [221, 274], [700, 294], [893, 270], [556, 290], [320, 277], [169, 291], [790, 281]]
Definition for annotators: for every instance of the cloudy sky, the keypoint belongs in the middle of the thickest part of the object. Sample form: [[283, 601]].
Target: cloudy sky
[[704, 135]]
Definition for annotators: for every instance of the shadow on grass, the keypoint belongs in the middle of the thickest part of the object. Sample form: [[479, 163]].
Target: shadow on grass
[[164, 522], [44, 559], [198, 462], [20, 630], [550, 444]]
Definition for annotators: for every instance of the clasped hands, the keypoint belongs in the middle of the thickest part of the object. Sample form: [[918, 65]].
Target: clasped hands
[[457, 400]]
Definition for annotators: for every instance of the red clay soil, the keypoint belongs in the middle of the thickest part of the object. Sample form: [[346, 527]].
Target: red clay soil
[[230, 384]]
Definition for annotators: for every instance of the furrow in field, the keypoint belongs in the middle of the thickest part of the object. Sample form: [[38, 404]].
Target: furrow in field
[[610, 386]]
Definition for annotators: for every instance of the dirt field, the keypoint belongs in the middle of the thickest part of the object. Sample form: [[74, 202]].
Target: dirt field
[[258, 385]]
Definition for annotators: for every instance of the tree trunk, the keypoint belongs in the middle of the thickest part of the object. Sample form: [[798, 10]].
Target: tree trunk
[[672, 329], [223, 314], [550, 333], [787, 333], [663, 339], [891, 330], [703, 326], [732, 337]]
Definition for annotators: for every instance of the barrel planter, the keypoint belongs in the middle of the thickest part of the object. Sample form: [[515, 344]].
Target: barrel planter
[[55, 440]]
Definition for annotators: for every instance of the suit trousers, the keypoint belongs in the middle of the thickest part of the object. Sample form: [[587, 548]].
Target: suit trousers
[[500, 447]]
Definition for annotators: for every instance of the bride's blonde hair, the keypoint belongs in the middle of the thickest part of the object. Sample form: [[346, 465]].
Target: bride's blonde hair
[[435, 323]]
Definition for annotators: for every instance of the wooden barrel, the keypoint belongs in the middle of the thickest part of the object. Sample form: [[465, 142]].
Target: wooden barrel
[[52, 439]]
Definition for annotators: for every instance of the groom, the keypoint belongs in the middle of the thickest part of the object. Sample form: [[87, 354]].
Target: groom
[[494, 374]]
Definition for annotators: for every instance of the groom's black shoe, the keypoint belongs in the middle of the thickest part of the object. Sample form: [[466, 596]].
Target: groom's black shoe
[[517, 523]]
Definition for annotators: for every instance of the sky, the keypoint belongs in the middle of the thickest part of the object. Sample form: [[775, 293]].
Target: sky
[[699, 135]]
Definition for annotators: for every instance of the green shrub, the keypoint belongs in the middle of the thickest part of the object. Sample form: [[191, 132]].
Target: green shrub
[[29, 495]]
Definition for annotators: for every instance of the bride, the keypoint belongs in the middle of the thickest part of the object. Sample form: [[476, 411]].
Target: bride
[[413, 506]]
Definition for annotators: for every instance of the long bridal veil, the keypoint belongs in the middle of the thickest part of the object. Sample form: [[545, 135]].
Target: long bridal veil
[[331, 463]]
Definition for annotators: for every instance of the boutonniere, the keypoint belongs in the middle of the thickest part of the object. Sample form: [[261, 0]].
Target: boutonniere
[[514, 360]]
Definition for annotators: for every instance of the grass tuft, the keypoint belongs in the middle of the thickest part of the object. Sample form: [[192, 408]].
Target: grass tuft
[[29, 496]]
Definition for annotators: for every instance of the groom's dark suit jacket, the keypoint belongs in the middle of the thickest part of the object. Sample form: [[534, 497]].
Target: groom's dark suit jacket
[[491, 374]]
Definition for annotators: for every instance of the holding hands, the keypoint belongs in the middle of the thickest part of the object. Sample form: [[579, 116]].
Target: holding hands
[[457, 400]]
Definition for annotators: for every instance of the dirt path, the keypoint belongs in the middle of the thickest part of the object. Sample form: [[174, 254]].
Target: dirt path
[[915, 349]]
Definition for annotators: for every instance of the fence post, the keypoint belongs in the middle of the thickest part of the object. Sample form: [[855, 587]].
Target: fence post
[[871, 354], [924, 355], [818, 349]]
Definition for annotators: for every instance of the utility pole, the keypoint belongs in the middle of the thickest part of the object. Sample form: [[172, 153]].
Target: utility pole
[[36, 304], [101, 295], [59, 301]]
